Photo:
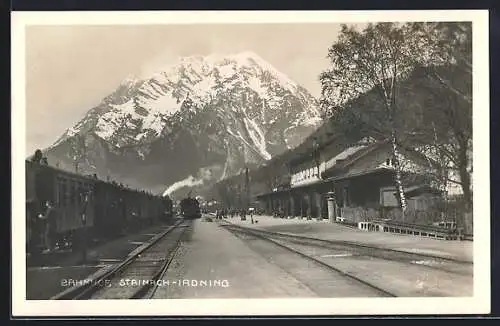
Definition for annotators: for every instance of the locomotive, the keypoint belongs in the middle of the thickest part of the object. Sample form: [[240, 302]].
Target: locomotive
[[84, 205], [190, 208]]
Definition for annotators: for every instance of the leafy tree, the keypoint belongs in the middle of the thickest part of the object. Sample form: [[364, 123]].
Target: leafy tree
[[374, 59], [366, 90]]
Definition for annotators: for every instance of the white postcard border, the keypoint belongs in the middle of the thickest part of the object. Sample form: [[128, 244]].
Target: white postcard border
[[479, 303]]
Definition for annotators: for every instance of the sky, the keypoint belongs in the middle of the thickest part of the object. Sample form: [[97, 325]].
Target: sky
[[70, 69]]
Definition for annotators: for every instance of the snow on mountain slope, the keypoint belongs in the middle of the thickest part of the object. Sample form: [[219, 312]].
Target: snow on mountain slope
[[224, 111]]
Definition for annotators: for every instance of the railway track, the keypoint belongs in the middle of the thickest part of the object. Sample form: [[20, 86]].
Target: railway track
[[337, 282], [68, 257], [423, 260], [137, 276]]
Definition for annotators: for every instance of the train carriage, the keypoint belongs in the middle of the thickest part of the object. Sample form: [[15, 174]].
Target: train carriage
[[84, 207], [143, 210], [109, 211], [31, 202], [166, 208], [74, 197], [122, 208], [131, 209], [140, 208], [69, 194], [155, 208]]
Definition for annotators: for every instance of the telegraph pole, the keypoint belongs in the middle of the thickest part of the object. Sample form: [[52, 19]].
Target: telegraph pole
[[247, 192], [247, 188]]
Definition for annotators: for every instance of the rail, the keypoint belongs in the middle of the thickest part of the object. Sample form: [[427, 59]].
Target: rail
[[97, 280], [371, 250], [348, 275]]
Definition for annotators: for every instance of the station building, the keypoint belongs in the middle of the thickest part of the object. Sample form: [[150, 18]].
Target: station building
[[352, 182]]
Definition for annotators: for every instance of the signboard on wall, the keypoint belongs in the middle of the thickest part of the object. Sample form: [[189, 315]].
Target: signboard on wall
[[388, 197], [306, 176]]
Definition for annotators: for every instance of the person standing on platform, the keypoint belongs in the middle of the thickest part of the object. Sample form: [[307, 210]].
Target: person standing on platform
[[48, 221]]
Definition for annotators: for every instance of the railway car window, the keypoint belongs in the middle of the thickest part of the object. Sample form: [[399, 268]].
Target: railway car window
[[85, 191], [69, 192], [80, 196], [80, 193], [88, 191], [76, 198], [58, 191], [62, 193]]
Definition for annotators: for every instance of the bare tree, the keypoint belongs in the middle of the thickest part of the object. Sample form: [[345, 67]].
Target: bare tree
[[449, 43], [452, 128]]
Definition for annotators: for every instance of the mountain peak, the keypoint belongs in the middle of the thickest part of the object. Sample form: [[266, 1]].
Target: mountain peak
[[194, 121], [198, 62], [129, 79], [239, 57], [218, 57], [144, 106]]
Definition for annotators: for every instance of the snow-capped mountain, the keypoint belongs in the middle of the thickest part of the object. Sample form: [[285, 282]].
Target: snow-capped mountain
[[193, 122]]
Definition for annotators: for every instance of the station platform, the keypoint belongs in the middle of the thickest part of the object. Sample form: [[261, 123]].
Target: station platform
[[213, 263], [43, 282], [324, 229]]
